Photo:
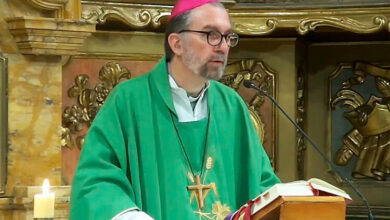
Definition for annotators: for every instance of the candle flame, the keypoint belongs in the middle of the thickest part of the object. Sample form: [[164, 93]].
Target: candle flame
[[46, 187]]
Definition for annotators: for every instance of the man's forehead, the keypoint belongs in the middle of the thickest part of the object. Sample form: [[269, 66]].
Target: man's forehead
[[210, 17]]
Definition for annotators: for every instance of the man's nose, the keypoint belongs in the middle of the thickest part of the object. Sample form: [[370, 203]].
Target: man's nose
[[222, 47]]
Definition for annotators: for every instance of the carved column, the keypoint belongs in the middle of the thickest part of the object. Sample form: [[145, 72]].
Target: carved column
[[36, 38]]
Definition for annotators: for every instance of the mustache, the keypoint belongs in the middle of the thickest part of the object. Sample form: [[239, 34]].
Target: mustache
[[219, 57]]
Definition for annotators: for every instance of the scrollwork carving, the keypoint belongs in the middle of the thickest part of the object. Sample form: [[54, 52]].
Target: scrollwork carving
[[134, 18], [311, 24], [301, 21], [256, 28], [77, 118], [249, 21]]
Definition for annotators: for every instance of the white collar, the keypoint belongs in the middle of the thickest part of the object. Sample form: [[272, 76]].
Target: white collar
[[182, 102]]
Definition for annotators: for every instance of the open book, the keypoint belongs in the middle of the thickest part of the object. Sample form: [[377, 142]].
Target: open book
[[311, 187]]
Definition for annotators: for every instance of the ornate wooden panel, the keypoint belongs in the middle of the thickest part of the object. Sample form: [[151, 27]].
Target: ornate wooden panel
[[86, 84]]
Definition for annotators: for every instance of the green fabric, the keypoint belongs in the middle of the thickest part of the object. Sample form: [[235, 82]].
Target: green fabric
[[194, 146], [132, 157]]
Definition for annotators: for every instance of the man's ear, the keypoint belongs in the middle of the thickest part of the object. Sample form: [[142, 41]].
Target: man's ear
[[175, 42]]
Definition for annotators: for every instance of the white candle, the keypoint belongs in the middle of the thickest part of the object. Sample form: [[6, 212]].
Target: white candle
[[44, 203]]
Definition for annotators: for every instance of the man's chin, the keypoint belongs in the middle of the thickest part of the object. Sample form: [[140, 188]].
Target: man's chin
[[214, 75]]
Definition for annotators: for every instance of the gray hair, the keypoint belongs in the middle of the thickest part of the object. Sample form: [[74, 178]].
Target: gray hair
[[179, 23]]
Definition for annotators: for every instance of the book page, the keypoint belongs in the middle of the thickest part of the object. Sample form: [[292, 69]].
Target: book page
[[329, 188], [324, 184]]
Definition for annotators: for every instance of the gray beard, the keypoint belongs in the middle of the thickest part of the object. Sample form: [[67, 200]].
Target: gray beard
[[203, 70]]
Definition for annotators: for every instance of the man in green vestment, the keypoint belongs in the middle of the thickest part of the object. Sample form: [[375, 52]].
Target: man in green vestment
[[174, 143]]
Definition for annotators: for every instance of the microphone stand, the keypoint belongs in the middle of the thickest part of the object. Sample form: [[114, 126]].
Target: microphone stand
[[250, 84]]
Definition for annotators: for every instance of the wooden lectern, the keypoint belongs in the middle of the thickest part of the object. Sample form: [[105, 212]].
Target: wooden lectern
[[303, 208]]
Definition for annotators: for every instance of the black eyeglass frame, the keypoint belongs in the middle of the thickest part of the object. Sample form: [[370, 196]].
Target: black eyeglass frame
[[208, 33]]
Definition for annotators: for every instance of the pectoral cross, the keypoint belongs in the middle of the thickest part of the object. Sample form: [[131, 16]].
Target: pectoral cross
[[198, 189]]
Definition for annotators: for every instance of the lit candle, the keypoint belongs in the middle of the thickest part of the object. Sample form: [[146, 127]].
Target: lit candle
[[44, 203]]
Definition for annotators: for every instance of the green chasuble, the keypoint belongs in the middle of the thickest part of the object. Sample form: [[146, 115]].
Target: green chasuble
[[132, 156]]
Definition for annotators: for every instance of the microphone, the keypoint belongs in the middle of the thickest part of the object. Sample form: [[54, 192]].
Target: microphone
[[249, 84]]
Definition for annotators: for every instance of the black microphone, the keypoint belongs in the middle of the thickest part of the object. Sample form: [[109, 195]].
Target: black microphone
[[250, 84]]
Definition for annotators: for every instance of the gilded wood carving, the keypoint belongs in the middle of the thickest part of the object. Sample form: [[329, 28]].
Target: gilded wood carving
[[133, 18], [258, 23], [258, 28], [249, 21], [369, 116], [77, 118], [345, 23]]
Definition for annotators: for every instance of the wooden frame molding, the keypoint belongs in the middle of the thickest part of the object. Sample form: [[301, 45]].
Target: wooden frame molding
[[58, 6], [258, 21], [265, 22], [4, 122]]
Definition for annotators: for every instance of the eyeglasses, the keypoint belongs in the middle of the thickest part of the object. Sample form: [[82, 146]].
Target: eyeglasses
[[214, 38]]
